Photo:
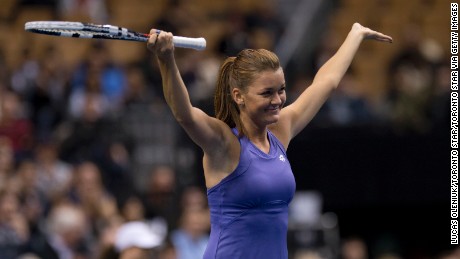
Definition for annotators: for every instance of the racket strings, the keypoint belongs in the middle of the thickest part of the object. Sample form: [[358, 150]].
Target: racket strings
[[82, 33]]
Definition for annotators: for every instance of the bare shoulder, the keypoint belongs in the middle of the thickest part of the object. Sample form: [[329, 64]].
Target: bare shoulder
[[281, 131]]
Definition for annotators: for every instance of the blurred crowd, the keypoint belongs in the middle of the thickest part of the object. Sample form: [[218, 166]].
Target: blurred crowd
[[93, 165]]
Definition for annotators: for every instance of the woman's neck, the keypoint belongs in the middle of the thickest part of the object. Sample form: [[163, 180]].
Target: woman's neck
[[259, 138]]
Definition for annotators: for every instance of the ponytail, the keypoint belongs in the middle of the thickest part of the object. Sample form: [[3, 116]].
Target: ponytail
[[225, 108]]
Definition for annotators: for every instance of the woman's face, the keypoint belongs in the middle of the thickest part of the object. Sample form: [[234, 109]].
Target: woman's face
[[264, 98]]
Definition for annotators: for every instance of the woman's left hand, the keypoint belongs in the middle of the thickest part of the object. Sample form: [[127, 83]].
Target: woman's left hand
[[371, 34]]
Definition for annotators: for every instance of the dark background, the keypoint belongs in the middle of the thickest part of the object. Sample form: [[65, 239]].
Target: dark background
[[380, 184]]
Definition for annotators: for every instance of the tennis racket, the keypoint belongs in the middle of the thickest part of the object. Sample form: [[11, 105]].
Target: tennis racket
[[111, 32]]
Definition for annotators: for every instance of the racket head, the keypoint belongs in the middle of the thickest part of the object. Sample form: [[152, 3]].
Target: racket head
[[84, 30], [111, 32]]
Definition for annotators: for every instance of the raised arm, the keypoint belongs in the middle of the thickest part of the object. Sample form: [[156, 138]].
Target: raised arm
[[204, 130], [297, 115]]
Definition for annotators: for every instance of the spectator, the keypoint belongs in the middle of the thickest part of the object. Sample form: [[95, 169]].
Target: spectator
[[133, 209], [88, 137], [450, 254], [94, 10], [31, 200], [410, 90], [4, 69], [91, 90], [192, 236], [167, 251], [68, 229], [25, 74], [6, 162], [193, 197], [347, 106], [150, 130], [97, 73], [54, 176], [354, 248], [14, 232], [48, 94], [88, 191], [161, 198], [135, 239], [236, 36], [15, 125]]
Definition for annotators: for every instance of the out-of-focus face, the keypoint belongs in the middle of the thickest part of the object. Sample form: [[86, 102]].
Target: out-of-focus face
[[88, 180], [264, 98], [6, 155], [10, 105], [354, 248], [27, 172], [135, 253], [162, 179], [9, 206], [133, 209], [69, 223], [195, 222]]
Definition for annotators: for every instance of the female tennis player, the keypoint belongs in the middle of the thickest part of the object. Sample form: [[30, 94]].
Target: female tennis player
[[250, 182]]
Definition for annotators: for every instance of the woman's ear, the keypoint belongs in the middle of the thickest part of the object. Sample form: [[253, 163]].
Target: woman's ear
[[237, 96]]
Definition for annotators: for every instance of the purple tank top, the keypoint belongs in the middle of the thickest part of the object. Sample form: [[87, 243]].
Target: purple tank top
[[249, 208]]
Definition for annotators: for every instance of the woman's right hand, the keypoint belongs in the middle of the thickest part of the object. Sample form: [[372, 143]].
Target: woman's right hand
[[161, 43]]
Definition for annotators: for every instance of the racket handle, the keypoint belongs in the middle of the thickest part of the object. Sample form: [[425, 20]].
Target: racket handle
[[191, 43]]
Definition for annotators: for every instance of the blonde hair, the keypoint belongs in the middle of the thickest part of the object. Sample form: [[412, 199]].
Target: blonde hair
[[240, 72]]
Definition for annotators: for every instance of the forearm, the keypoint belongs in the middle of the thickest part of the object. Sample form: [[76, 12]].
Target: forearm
[[174, 90], [326, 80], [335, 68]]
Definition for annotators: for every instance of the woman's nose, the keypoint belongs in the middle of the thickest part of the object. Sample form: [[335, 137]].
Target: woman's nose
[[276, 99]]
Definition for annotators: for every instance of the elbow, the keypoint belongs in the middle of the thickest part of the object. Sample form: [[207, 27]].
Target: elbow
[[332, 82], [182, 119]]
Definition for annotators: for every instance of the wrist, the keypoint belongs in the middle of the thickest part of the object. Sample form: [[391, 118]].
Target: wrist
[[166, 58], [357, 31]]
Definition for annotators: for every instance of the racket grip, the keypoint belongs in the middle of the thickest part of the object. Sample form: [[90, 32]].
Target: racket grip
[[191, 43]]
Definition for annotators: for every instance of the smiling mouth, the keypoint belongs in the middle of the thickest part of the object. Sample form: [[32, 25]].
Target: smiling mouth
[[273, 109]]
